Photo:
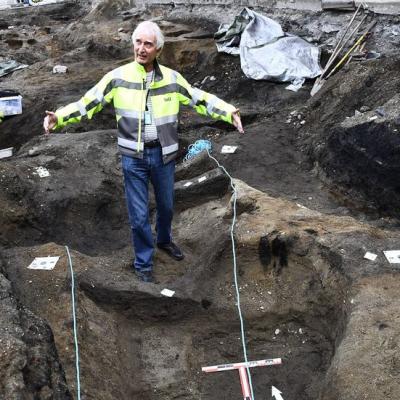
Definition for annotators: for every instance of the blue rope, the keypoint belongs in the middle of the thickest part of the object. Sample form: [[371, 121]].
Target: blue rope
[[197, 147], [242, 330], [78, 383]]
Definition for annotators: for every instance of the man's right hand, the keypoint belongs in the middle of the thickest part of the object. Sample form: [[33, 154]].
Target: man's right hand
[[49, 122], [237, 121]]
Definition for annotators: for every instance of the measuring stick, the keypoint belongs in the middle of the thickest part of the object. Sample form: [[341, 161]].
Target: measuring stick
[[242, 369], [250, 364]]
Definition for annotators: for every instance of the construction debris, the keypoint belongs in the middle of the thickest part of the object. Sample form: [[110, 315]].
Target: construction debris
[[10, 105], [60, 69], [4, 153], [6, 67]]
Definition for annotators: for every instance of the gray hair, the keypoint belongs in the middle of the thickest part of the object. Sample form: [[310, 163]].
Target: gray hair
[[153, 28]]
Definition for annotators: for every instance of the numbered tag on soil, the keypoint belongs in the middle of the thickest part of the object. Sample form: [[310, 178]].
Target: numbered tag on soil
[[393, 256], [47, 263]]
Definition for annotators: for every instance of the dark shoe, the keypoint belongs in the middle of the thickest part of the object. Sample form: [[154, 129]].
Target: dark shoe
[[172, 250], [145, 276]]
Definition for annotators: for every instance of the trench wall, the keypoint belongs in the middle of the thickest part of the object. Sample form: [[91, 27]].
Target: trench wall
[[378, 6]]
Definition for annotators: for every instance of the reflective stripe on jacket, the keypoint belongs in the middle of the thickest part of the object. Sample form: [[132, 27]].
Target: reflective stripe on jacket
[[125, 88]]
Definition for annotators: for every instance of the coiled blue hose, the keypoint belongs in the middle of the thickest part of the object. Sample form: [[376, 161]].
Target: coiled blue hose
[[197, 147]]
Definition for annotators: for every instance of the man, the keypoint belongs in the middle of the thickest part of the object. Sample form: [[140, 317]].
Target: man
[[146, 97]]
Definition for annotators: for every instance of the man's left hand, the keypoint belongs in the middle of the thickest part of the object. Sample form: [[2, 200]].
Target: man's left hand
[[236, 121]]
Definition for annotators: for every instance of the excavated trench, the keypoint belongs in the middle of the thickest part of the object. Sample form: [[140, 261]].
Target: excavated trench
[[299, 252], [137, 344]]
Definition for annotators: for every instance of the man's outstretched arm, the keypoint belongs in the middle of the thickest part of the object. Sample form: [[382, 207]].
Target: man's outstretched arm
[[91, 103], [208, 104]]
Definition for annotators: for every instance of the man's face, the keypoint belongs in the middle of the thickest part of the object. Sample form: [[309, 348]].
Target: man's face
[[145, 47]]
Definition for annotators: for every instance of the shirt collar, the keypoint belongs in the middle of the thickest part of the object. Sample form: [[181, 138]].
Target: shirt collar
[[157, 70]]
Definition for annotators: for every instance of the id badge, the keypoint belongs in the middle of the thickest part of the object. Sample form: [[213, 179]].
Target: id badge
[[147, 118]]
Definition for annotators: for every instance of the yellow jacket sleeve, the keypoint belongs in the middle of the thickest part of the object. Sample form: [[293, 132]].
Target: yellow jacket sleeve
[[91, 103], [204, 103]]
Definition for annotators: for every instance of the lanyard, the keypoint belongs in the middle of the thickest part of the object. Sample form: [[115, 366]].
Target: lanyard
[[148, 91]]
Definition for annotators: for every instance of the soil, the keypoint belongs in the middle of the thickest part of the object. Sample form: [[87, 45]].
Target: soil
[[316, 189]]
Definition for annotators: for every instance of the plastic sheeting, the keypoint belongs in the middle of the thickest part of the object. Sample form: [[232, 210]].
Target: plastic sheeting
[[266, 52], [6, 67], [44, 2]]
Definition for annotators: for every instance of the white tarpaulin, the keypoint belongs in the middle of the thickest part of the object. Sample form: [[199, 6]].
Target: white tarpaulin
[[266, 52]]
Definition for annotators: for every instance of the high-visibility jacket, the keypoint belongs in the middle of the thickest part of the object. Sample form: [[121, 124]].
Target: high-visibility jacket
[[124, 87]]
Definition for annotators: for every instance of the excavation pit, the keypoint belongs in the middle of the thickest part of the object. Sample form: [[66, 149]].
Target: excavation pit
[[304, 223]]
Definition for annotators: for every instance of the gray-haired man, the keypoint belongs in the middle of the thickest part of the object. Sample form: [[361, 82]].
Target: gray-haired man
[[146, 97]]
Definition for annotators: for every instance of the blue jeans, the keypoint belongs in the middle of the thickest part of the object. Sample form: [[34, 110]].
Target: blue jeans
[[137, 174]]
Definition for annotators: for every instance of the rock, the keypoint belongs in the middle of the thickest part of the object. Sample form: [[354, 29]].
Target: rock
[[13, 358], [33, 152], [29, 363], [203, 188], [195, 166], [380, 111], [60, 69]]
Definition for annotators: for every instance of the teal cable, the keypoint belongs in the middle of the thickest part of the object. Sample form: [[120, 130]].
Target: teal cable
[[197, 147], [243, 336], [78, 384]]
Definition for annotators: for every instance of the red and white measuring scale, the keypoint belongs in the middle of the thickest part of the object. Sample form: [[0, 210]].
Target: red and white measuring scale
[[242, 368]]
